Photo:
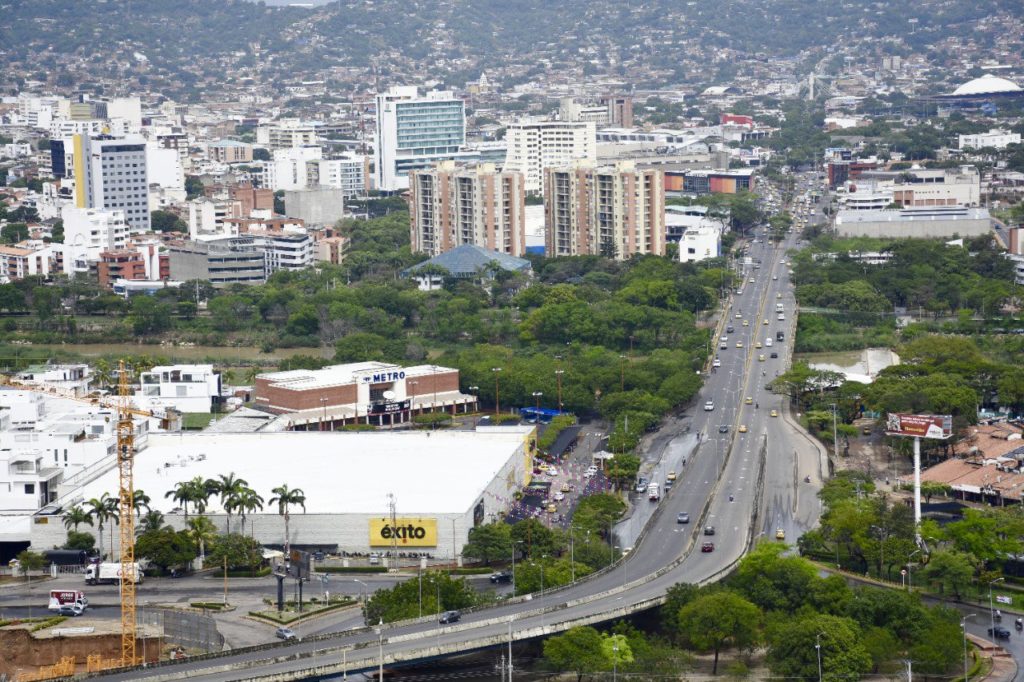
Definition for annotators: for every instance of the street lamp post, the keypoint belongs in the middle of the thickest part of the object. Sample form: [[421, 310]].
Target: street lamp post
[[514, 543], [380, 650], [536, 402], [323, 404], [991, 611], [497, 401], [817, 647], [615, 661], [910, 570], [572, 553], [558, 377], [963, 625], [362, 597]]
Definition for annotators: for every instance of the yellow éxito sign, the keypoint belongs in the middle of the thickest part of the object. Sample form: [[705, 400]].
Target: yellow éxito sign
[[404, 532]]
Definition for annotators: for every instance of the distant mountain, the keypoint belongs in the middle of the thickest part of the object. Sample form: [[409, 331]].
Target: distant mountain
[[194, 44]]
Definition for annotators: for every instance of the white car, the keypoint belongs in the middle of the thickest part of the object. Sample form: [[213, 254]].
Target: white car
[[716, 363], [552, 471], [591, 471], [559, 496], [782, 317], [709, 406]]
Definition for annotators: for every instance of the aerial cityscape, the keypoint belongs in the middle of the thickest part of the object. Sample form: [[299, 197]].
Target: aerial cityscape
[[477, 340]]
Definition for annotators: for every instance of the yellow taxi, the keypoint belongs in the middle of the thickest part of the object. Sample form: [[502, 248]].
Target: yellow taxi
[[743, 428], [757, 344], [543, 466], [566, 487], [774, 413], [749, 400], [760, 358], [552, 509], [780, 534], [765, 323], [739, 344], [671, 476], [745, 323]]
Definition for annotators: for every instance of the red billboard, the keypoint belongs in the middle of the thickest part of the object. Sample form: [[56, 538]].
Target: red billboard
[[919, 425]]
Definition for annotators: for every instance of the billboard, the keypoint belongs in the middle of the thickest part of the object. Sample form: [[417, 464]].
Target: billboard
[[405, 532], [920, 425]]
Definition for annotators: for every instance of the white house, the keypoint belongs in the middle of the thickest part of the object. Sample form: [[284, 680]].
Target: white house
[[185, 388]]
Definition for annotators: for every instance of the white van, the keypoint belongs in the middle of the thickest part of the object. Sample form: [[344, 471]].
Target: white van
[[768, 342]]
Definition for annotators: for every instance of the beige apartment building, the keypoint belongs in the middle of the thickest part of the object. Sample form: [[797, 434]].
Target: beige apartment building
[[452, 205], [616, 211]]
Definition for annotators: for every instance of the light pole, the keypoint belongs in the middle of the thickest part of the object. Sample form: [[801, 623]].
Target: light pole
[[558, 377], [615, 661], [572, 553], [991, 611], [323, 404], [910, 570], [536, 402], [817, 647], [363, 595], [514, 543], [963, 625], [380, 650], [413, 385], [510, 618], [497, 401]]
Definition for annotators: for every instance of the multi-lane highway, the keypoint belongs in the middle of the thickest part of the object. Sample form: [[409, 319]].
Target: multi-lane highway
[[744, 465]]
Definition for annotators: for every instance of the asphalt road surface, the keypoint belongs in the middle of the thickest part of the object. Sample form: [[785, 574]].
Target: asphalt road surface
[[722, 465]]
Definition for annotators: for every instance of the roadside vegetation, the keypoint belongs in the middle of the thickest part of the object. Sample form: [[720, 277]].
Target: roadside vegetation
[[772, 612], [853, 305]]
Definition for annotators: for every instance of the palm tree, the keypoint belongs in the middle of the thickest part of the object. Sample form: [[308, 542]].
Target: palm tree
[[202, 531], [153, 520], [200, 491], [183, 493], [284, 497], [228, 487], [140, 501], [247, 501], [102, 509], [76, 516]]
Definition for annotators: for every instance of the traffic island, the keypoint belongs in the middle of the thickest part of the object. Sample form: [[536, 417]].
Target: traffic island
[[310, 609]]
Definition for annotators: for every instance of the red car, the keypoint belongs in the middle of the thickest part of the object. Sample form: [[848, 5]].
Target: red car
[[707, 547]]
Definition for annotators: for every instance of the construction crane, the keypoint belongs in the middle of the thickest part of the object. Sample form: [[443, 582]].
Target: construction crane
[[126, 499]]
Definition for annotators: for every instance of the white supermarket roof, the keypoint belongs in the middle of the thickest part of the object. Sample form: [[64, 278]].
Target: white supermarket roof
[[429, 472]]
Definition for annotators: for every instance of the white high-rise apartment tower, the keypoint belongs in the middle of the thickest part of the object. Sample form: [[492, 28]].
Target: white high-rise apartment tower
[[534, 146]]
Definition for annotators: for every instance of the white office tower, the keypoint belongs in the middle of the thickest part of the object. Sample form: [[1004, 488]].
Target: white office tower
[[536, 145], [113, 176], [414, 133], [88, 232], [348, 173], [290, 168]]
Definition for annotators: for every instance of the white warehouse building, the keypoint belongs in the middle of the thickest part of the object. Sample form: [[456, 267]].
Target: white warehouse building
[[444, 483]]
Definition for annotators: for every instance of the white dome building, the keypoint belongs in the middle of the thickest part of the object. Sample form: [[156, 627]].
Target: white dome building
[[988, 84]]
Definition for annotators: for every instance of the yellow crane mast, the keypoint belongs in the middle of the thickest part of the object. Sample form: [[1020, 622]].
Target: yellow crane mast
[[125, 460]]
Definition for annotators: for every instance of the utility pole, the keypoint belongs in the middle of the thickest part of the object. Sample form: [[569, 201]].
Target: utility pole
[[835, 434], [392, 507], [225, 580], [558, 377], [497, 401]]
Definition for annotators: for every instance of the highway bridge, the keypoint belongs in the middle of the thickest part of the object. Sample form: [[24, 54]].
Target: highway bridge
[[746, 482]]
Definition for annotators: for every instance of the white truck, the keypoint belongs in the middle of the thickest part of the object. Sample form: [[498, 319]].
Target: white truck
[[653, 492], [106, 573], [74, 600]]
